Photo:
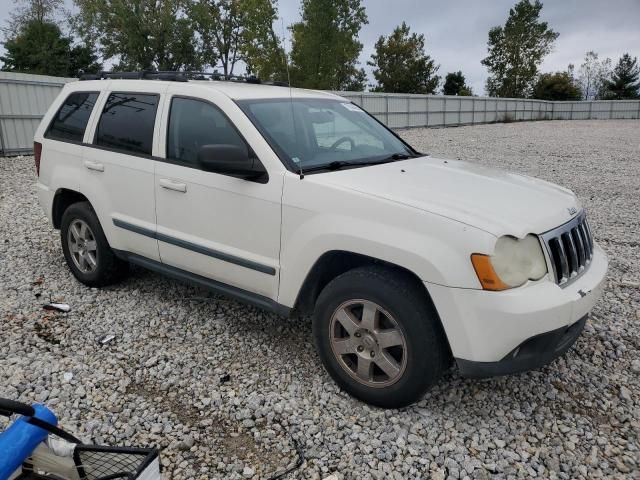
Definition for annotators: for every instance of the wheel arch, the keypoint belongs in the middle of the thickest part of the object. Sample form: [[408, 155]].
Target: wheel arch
[[336, 262], [62, 200]]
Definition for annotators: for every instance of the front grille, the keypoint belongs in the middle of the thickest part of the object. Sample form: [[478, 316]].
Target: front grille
[[570, 249]]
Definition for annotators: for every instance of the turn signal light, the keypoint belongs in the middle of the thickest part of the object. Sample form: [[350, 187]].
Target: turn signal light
[[486, 274]]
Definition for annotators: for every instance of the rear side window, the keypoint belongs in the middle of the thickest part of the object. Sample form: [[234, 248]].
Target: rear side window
[[194, 123], [127, 122], [71, 120]]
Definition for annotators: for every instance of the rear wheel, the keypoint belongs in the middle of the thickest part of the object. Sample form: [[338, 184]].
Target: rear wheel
[[86, 250], [379, 336]]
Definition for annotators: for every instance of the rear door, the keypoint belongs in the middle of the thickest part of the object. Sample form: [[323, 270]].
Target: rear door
[[119, 166], [217, 226], [62, 144]]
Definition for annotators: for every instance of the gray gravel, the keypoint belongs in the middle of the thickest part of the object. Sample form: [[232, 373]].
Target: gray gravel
[[224, 388]]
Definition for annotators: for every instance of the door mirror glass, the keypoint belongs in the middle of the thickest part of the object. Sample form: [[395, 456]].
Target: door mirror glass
[[231, 160]]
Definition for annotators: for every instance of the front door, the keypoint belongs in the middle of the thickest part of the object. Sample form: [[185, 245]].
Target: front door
[[220, 227]]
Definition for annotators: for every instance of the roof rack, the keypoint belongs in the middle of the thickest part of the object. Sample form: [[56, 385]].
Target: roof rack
[[174, 76]]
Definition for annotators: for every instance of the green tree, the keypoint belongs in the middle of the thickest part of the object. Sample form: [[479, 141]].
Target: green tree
[[401, 64], [325, 47], [624, 82], [140, 34], [454, 84], [516, 51], [41, 48], [233, 31], [26, 11], [556, 86]]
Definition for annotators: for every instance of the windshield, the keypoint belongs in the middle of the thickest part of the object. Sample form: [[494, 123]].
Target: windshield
[[310, 134]]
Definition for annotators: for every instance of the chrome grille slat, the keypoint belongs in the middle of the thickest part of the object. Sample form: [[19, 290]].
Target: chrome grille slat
[[582, 254], [585, 242], [570, 249]]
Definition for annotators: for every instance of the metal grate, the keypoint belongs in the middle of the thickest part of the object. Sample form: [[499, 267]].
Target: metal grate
[[570, 249], [95, 463]]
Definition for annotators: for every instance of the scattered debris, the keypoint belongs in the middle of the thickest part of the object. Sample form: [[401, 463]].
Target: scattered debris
[[225, 378], [38, 281], [299, 461], [104, 339], [59, 307]]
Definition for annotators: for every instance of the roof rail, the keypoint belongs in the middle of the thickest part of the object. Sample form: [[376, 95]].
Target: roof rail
[[176, 76]]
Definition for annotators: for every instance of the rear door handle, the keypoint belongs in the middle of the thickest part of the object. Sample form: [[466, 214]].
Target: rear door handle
[[171, 185], [98, 167]]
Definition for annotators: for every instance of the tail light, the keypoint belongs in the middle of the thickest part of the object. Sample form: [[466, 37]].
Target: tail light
[[37, 151]]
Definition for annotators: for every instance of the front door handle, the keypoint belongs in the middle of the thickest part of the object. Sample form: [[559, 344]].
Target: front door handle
[[98, 167], [171, 185]]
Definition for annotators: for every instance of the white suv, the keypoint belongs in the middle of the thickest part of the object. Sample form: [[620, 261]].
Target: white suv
[[301, 202]]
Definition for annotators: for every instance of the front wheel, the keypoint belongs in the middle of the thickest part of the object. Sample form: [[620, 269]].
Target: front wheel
[[379, 337]]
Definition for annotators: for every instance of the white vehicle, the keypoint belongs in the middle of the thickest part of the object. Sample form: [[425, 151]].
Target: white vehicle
[[301, 202]]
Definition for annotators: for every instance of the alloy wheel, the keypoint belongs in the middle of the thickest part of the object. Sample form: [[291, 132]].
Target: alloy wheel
[[82, 246], [368, 343]]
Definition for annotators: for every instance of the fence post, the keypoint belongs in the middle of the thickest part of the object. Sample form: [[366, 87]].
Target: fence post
[[638, 116], [611, 110], [473, 111], [386, 101], [590, 109], [1, 142], [444, 112]]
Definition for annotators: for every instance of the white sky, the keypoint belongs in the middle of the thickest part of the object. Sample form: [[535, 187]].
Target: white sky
[[456, 30]]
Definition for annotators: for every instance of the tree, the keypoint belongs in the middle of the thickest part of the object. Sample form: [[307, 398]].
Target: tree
[[27, 11], [624, 82], [41, 48], [454, 84], [401, 65], [325, 48], [233, 31], [516, 51], [140, 34], [593, 75], [556, 86]]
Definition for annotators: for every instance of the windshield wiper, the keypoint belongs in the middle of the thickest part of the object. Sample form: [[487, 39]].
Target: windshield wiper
[[400, 156], [339, 164]]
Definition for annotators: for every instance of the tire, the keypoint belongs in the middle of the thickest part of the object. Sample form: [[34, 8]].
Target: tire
[[96, 267], [411, 367]]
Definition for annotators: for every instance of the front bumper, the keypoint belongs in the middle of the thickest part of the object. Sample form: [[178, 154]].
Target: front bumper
[[533, 353], [488, 327]]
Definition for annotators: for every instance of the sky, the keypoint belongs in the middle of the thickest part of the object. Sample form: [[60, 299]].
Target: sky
[[456, 30]]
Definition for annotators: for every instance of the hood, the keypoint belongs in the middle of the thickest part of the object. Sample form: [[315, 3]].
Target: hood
[[496, 201]]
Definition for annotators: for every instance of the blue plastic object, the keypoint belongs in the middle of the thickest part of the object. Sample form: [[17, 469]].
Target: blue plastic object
[[19, 441]]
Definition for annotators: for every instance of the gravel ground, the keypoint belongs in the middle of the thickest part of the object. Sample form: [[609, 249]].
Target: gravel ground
[[226, 389]]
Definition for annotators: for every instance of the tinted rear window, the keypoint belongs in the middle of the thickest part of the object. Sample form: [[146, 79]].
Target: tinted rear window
[[127, 122], [71, 120]]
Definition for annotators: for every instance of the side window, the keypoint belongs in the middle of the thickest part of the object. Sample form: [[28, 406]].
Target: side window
[[127, 122], [71, 120], [194, 123]]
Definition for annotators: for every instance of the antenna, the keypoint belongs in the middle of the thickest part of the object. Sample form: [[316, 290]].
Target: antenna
[[286, 63]]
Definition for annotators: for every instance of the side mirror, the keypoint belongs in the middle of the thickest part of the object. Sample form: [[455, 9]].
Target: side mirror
[[231, 160]]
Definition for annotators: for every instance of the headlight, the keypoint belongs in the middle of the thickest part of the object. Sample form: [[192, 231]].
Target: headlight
[[513, 263]]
